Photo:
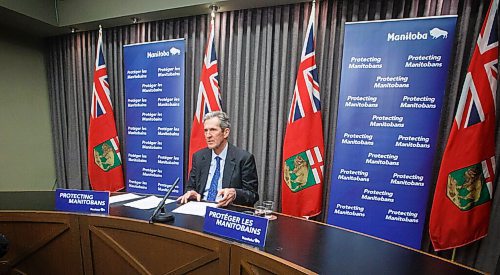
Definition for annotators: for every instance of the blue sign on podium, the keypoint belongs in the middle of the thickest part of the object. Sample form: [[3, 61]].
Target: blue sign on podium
[[82, 201], [237, 226]]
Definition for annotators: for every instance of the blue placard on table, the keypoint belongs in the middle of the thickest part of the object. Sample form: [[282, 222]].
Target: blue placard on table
[[154, 112], [82, 201], [394, 75], [237, 226]]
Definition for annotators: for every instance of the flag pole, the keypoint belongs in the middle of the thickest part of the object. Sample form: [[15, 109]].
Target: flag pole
[[453, 254], [213, 9]]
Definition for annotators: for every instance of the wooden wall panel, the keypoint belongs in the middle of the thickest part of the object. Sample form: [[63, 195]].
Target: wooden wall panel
[[41, 243], [249, 261], [122, 246]]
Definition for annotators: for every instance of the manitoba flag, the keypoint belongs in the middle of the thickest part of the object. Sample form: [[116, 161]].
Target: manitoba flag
[[303, 147], [104, 160], [209, 98], [462, 200]]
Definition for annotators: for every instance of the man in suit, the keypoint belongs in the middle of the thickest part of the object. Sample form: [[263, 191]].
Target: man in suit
[[221, 172]]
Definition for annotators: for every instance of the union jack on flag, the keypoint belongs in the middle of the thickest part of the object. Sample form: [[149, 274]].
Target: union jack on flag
[[470, 110], [209, 97], [304, 134], [101, 103], [306, 97], [462, 201]]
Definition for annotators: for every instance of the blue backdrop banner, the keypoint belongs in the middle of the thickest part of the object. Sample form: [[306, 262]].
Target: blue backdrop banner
[[154, 94], [394, 75]]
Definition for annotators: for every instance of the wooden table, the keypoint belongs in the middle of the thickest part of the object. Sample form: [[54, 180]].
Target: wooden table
[[44, 241]]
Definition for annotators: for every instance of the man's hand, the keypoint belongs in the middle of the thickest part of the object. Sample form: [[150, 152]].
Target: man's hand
[[228, 196], [188, 196]]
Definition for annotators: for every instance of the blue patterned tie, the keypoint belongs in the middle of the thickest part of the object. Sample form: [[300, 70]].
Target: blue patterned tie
[[212, 192]]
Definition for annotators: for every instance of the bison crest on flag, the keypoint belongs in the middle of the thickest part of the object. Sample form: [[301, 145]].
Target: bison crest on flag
[[303, 170], [106, 156], [469, 187]]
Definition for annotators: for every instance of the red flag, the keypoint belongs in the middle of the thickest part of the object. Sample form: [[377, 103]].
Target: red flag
[[303, 147], [462, 200], [209, 98], [104, 160]]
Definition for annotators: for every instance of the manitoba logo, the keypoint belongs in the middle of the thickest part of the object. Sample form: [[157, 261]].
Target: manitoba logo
[[175, 51], [164, 53], [303, 170], [106, 155], [437, 32], [470, 186], [412, 36]]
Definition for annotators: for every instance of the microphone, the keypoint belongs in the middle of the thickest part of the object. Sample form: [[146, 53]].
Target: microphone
[[160, 214], [4, 245]]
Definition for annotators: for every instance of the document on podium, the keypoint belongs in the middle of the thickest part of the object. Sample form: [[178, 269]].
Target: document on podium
[[123, 197], [196, 208], [147, 203]]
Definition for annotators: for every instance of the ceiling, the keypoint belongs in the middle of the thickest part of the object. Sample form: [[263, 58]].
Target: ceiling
[[43, 18]]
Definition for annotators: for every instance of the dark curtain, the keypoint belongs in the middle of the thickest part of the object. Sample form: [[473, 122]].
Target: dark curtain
[[258, 53]]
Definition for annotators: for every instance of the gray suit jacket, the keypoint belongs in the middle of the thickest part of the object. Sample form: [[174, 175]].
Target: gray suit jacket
[[240, 173]]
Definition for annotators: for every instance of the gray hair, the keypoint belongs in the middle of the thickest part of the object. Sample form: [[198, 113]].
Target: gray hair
[[223, 118]]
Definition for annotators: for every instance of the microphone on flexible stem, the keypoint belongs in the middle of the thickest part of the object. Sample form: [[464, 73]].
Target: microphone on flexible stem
[[160, 214], [4, 245]]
